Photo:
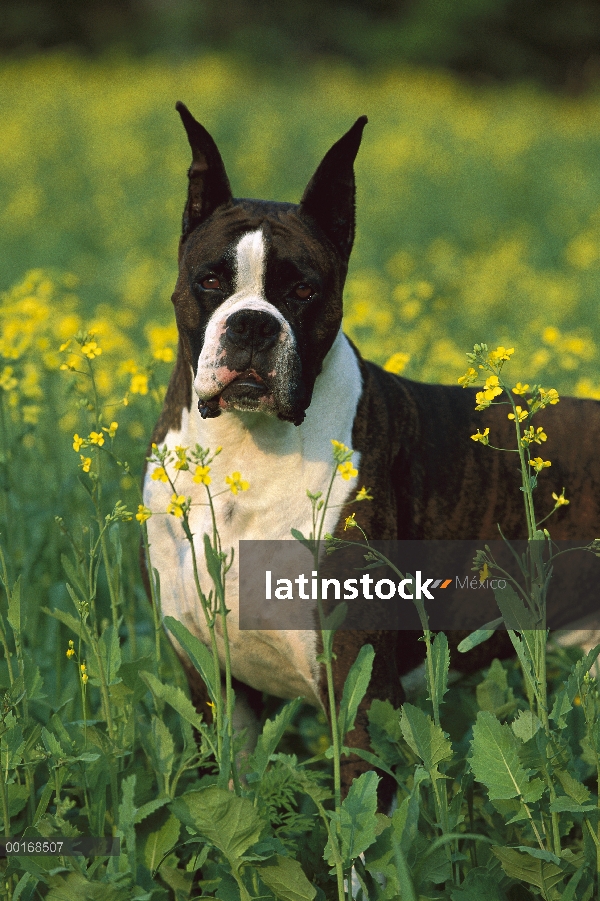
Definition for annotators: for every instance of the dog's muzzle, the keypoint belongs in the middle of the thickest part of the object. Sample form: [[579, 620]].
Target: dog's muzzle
[[253, 367]]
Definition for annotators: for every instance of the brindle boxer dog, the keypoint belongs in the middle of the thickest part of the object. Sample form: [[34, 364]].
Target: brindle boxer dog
[[264, 370]]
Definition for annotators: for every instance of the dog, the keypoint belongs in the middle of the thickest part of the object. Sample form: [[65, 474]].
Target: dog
[[265, 371]]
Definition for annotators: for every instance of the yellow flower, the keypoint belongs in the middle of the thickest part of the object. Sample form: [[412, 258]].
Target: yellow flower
[[347, 471], [143, 513], [339, 449], [531, 435], [84, 678], [90, 350], [501, 354], [520, 389], [160, 474], [484, 573], [236, 483], [97, 438], [468, 378], [201, 476], [86, 462], [549, 397], [521, 414], [363, 494], [164, 354], [560, 499], [7, 379], [577, 700], [70, 653], [64, 346], [177, 505], [111, 430], [491, 389], [182, 461], [78, 442], [82, 667], [139, 384], [539, 464], [483, 437], [350, 522]]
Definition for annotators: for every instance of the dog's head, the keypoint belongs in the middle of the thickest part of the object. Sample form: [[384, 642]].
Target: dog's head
[[258, 300]]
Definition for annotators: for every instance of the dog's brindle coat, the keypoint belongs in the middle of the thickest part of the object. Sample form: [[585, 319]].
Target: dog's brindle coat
[[264, 370]]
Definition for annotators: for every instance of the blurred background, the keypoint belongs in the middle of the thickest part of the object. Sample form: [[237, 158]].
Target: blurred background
[[478, 178]]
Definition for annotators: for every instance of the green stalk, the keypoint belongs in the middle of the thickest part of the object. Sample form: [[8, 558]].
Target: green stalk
[[210, 622], [154, 597], [229, 695]]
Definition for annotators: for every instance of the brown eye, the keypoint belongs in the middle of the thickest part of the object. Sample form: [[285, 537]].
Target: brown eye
[[303, 292], [211, 283]]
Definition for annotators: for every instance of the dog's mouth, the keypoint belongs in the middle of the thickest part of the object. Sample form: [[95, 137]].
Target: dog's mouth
[[247, 391]]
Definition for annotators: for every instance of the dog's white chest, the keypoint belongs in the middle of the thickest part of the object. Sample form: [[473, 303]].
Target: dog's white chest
[[280, 462]]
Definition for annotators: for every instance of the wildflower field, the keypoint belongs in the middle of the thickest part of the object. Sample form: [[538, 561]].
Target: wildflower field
[[478, 218]]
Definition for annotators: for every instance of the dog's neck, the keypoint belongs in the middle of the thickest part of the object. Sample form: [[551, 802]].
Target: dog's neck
[[330, 415]]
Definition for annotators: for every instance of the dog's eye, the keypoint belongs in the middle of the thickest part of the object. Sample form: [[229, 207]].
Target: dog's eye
[[211, 283], [303, 292]]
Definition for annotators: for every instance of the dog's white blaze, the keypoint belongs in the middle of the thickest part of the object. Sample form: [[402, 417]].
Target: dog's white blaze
[[280, 461], [250, 264], [248, 295]]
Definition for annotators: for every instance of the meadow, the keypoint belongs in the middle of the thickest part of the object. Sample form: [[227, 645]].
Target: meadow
[[478, 214]]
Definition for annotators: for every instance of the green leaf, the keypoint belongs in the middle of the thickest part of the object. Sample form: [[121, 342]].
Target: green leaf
[[199, 655], [150, 807], [385, 731], [539, 868], [213, 565], [514, 612], [356, 821], [440, 658], [75, 576], [230, 823], [493, 694], [270, 737], [161, 747], [286, 879], [405, 820], [479, 636], [426, 739], [495, 761], [566, 805], [160, 842], [479, 884], [355, 687], [307, 542], [336, 617], [526, 725], [52, 745], [582, 667], [110, 655], [573, 788], [77, 626], [127, 812], [75, 887], [16, 613], [17, 799], [175, 697], [562, 706]]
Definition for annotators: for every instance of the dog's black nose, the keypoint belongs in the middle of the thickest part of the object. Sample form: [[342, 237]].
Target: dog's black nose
[[254, 329]]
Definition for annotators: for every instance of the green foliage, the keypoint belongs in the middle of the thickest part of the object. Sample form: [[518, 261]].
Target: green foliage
[[105, 740]]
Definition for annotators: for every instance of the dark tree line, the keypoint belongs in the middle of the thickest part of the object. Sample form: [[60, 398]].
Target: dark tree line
[[556, 42]]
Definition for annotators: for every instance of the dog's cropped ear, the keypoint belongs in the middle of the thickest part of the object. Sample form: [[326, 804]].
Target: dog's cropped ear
[[329, 195], [209, 186]]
